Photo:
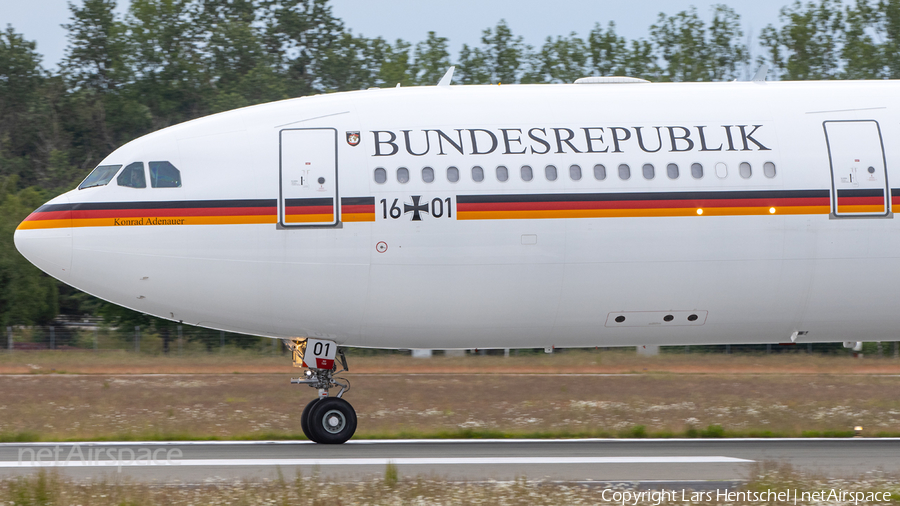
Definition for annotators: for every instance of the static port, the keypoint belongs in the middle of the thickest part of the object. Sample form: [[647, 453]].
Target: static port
[[693, 318], [620, 319], [668, 318], [321, 180]]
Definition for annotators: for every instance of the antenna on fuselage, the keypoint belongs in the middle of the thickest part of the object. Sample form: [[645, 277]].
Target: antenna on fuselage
[[445, 81], [761, 73]]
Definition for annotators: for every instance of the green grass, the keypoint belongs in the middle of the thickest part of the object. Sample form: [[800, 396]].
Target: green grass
[[49, 488]]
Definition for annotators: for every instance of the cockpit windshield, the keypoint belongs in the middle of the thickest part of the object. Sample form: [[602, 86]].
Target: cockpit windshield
[[133, 176], [100, 176], [164, 175]]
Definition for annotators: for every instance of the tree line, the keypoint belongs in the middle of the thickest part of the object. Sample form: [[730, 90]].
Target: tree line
[[168, 61]]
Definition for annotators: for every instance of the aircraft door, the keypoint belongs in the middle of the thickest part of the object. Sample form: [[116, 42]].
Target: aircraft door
[[859, 185], [308, 193]]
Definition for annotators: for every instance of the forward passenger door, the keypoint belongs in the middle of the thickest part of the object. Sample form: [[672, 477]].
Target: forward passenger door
[[859, 185], [308, 183]]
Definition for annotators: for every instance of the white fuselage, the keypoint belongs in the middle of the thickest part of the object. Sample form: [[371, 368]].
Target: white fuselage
[[280, 228]]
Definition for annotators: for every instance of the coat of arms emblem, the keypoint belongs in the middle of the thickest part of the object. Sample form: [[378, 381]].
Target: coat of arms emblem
[[353, 138]]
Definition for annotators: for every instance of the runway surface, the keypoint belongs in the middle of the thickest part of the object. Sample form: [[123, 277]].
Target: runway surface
[[670, 461]]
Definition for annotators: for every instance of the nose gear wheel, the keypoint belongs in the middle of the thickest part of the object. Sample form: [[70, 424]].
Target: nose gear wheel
[[331, 421]]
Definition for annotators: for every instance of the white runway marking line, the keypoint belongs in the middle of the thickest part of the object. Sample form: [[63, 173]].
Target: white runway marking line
[[400, 461]]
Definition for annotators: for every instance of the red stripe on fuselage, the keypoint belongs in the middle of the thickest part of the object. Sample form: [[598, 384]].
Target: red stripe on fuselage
[[641, 204], [295, 210]]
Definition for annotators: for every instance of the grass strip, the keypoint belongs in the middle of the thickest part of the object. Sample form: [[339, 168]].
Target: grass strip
[[45, 488]]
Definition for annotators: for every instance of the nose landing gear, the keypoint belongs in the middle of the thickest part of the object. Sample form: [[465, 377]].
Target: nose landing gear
[[325, 420]]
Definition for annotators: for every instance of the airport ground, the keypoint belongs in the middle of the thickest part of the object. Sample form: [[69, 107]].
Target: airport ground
[[51, 488], [115, 396], [59, 396], [635, 472]]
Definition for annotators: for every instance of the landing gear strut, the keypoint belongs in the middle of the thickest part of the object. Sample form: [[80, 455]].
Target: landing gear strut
[[325, 420]]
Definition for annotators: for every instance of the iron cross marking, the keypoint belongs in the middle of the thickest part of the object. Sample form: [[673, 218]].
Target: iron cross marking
[[415, 208]]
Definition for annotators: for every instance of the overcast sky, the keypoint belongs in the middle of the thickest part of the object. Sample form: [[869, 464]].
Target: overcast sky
[[461, 21]]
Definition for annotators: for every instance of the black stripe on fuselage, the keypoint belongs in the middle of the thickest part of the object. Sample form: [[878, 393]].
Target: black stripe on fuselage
[[327, 201], [582, 197], [170, 204], [876, 192], [357, 201]]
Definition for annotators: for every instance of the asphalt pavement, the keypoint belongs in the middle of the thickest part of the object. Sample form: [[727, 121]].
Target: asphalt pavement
[[672, 462]]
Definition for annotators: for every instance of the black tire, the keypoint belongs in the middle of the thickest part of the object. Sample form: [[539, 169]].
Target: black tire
[[304, 419], [332, 421]]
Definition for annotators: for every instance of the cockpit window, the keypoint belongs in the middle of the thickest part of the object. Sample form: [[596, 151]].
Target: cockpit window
[[99, 176], [164, 175], [133, 176]]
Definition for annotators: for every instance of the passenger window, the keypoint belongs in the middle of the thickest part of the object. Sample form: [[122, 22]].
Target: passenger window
[[624, 172], [402, 175], [599, 172], [696, 170], [575, 172], [769, 169], [452, 174], [477, 174], [164, 175], [380, 175], [133, 176], [502, 173], [721, 170], [672, 171], [550, 172], [649, 171], [527, 174], [745, 170], [99, 176], [428, 175]]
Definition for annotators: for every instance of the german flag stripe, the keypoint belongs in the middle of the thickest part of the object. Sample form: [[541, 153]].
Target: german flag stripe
[[703, 195], [201, 212], [357, 209], [603, 205], [861, 201], [469, 207]]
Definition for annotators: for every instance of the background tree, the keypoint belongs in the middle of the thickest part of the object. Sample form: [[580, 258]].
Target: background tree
[[168, 61], [563, 60], [165, 59], [432, 59], [96, 74], [502, 58], [392, 60], [21, 111], [608, 51], [691, 52], [27, 295], [299, 32], [806, 45], [887, 26]]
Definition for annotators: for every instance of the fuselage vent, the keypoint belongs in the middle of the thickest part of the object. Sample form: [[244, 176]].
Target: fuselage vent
[[610, 80]]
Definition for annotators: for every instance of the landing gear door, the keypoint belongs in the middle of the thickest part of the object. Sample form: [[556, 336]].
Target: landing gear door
[[859, 185], [308, 178]]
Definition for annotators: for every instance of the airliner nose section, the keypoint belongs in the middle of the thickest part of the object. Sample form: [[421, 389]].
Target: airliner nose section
[[45, 237]]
